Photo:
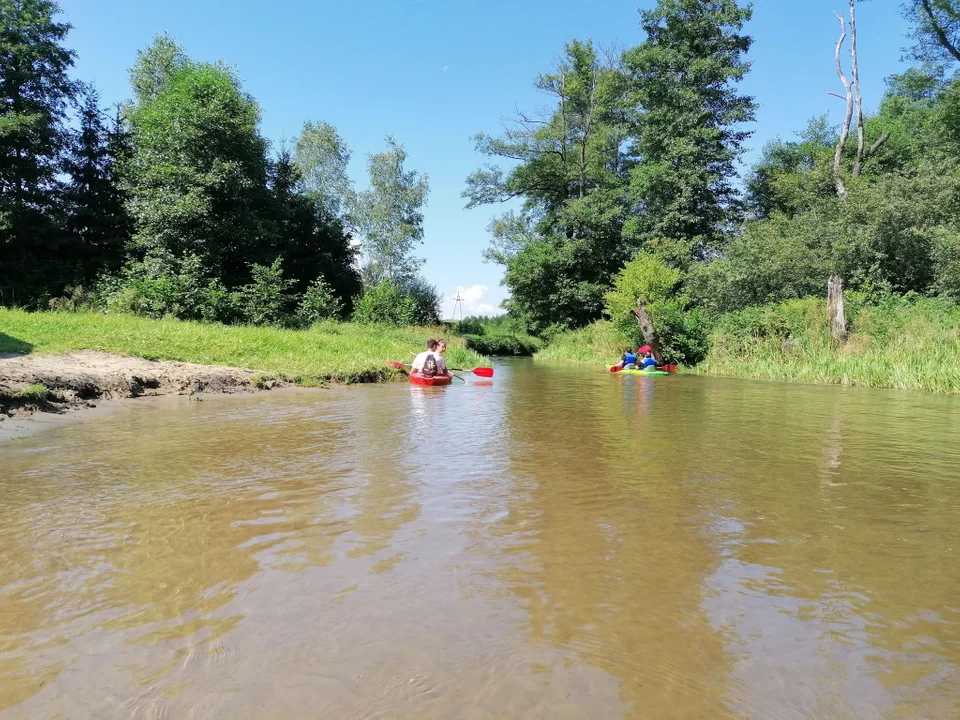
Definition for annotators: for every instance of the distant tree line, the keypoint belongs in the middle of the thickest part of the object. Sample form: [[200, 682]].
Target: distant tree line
[[172, 203], [629, 187]]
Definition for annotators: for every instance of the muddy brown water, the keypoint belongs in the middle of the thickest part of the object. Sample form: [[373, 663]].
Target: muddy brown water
[[557, 544]]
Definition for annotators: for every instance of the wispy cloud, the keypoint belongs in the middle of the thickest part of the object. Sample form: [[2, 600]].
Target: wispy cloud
[[446, 67]]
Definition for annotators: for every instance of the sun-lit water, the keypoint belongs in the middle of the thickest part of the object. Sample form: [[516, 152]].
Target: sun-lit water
[[557, 544]]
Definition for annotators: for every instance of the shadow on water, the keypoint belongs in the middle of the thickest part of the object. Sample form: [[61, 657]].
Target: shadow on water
[[10, 345]]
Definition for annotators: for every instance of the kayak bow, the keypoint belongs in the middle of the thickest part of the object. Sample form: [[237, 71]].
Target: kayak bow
[[437, 380]]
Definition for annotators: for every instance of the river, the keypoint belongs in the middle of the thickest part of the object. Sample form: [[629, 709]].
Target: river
[[559, 543]]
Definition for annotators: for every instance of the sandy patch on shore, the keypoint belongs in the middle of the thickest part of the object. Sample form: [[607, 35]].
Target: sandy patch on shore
[[81, 378]]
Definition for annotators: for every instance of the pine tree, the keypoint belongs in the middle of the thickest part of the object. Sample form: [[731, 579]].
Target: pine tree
[[96, 217], [688, 120], [34, 94]]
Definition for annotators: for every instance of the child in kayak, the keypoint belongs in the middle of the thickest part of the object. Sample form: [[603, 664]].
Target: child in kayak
[[441, 363], [629, 360], [648, 363]]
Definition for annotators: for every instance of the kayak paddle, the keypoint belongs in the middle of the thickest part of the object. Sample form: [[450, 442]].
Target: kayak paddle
[[479, 372]]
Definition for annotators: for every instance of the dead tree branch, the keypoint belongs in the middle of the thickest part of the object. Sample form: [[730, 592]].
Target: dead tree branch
[[858, 97], [848, 119]]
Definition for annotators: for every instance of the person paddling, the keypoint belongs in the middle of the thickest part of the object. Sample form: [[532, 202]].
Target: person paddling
[[426, 362], [629, 360], [649, 362]]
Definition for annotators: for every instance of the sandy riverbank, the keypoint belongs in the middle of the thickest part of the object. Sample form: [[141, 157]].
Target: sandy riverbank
[[82, 379]]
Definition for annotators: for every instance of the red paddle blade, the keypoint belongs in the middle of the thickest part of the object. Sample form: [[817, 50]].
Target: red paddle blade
[[615, 368], [483, 372]]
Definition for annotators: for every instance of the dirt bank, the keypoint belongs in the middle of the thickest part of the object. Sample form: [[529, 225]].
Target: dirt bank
[[81, 378]]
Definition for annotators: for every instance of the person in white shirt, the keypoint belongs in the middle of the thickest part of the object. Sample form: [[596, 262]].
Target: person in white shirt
[[421, 359]]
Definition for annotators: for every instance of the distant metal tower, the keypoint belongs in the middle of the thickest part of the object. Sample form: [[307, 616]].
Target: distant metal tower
[[457, 303]]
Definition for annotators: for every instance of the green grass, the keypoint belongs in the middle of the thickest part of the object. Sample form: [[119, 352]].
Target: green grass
[[328, 352], [903, 343], [599, 343], [33, 393]]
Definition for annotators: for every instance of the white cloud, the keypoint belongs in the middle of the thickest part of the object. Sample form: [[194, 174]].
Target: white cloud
[[446, 67], [471, 298]]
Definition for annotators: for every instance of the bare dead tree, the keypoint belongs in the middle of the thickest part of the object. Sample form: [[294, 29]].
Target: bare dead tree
[[848, 118], [835, 309], [858, 97], [854, 100]]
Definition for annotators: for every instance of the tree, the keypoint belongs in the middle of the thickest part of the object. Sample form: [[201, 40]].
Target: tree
[[688, 121], [322, 157], [561, 250], [791, 175], [35, 90], [936, 29], [155, 66], [389, 216], [96, 216], [312, 242], [198, 177]]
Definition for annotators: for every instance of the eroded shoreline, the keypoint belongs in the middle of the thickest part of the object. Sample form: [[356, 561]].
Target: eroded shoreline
[[83, 379]]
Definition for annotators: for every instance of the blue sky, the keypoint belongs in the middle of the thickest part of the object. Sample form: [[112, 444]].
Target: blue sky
[[435, 72]]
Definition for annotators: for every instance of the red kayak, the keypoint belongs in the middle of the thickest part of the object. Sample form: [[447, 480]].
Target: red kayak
[[417, 379]]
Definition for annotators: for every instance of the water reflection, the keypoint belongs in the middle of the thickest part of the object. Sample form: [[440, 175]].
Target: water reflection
[[557, 544]]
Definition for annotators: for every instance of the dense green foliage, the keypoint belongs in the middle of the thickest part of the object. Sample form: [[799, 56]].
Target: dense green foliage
[[879, 211], [637, 153], [176, 206]]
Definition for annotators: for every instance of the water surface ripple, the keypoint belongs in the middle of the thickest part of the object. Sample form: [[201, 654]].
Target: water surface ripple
[[557, 544]]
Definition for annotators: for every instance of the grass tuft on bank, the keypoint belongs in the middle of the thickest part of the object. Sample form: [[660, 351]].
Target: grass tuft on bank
[[327, 352], [599, 343]]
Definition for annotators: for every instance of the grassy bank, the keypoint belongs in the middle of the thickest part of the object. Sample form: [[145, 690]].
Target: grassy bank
[[903, 343], [599, 343], [328, 352]]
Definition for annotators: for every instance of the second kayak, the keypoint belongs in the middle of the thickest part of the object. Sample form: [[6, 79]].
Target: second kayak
[[648, 373], [417, 379]]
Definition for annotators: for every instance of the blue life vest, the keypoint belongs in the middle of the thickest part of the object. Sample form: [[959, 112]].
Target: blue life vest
[[649, 362], [629, 359]]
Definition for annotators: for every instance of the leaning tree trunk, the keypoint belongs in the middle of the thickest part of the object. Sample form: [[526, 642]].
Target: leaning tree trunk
[[649, 334], [835, 309]]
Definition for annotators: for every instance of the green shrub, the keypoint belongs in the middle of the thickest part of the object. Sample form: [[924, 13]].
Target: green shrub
[[162, 285], [385, 303], [318, 303], [600, 342], [266, 299], [74, 299], [503, 345]]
